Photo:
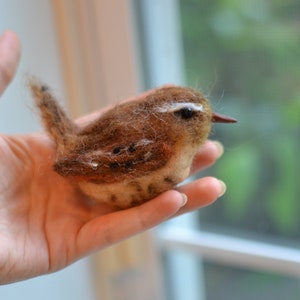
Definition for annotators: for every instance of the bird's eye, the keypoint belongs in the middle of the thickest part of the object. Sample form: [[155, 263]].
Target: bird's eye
[[185, 113]]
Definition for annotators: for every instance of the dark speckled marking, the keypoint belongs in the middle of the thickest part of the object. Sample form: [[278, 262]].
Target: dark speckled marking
[[137, 186], [134, 201], [128, 164], [116, 150], [113, 165], [169, 180], [151, 189], [44, 88], [113, 198], [131, 148]]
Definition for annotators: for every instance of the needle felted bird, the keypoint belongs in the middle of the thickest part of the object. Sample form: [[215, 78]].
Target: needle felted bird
[[134, 151]]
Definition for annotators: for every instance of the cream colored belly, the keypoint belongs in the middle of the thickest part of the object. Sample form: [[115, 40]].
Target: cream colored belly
[[135, 191]]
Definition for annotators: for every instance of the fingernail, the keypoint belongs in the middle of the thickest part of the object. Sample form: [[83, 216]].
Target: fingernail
[[223, 188], [219, 147], [184, 199]]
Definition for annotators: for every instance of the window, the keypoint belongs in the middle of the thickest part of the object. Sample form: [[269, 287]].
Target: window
[[245, 56]]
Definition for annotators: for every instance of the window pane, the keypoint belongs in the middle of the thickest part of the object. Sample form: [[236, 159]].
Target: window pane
[[246, 56], [231, 283], [226, 283]]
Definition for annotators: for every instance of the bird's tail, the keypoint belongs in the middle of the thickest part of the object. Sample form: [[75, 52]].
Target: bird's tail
[[54, 119]]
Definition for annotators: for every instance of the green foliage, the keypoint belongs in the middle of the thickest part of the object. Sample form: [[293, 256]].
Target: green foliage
[[242, 164], [246, 55], [283, 198]]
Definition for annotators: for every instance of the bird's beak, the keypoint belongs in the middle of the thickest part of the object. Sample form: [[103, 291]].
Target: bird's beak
[[219, 118]]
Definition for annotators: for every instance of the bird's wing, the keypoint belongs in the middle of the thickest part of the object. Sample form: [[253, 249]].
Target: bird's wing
[[116, 162]]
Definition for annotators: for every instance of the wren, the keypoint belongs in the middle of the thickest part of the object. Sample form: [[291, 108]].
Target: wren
[[134, 151]]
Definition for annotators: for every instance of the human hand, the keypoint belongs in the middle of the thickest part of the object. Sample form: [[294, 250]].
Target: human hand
[[47, 224]]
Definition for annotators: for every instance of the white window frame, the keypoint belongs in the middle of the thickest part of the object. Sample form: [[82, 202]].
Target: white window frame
[[233, 251]]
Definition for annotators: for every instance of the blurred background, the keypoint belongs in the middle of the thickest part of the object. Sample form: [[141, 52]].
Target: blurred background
[[245, 57]]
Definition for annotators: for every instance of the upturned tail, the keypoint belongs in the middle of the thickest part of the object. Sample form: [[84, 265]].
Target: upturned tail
[[54, 119]]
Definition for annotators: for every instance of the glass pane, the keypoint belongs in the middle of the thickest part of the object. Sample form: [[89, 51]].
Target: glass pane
[[231, 283], [216, 282], [246, 56]]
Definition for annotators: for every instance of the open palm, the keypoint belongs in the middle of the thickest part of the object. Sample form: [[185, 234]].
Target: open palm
[[46, 223]]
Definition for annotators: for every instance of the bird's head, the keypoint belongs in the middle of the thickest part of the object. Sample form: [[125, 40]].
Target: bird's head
[[186, 112]]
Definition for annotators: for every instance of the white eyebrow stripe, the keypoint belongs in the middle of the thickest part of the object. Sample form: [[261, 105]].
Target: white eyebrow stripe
[[171, 107]]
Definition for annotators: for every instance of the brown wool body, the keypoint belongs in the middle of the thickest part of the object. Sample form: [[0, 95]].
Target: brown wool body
[[134, 151]]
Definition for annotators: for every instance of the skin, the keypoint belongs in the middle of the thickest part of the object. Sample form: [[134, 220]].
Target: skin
[[46, 223]]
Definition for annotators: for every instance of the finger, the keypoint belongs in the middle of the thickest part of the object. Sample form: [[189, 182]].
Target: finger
[[10, 50], [201, 192], [114, 227], [208, 154]]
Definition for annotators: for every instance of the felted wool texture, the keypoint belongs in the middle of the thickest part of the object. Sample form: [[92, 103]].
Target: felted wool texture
[[134, 151]]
